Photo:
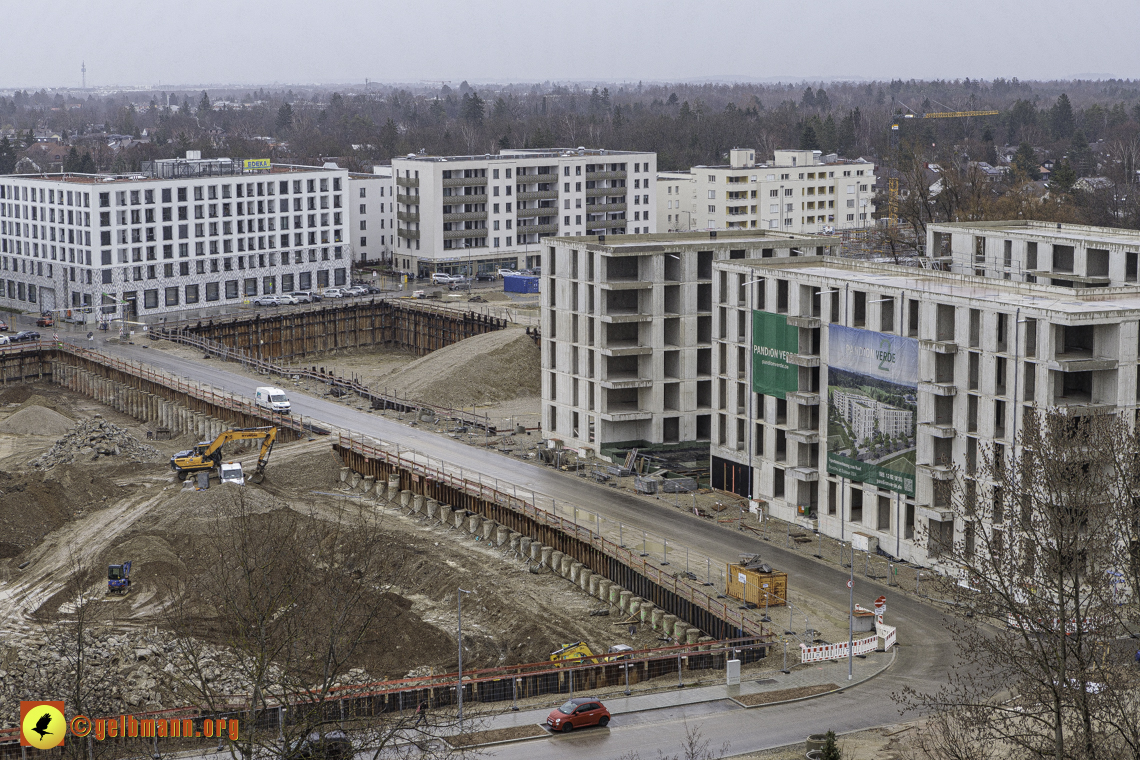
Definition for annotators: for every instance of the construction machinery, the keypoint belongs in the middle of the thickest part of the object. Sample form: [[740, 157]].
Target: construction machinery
[[119, 578], [207, 455], [575, 651], [893, 169]]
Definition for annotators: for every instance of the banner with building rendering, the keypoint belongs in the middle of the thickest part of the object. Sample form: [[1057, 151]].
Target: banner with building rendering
[[772, 340], [872, 394]]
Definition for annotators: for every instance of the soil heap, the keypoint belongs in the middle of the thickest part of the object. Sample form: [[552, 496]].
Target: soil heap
[[36, 420], [93, 439]]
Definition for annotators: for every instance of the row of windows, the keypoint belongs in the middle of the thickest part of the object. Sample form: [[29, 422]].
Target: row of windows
[[36, 232], [147, 235], [46, 195], [785, 176], [211, 192], [201, 266], [189, 295], [42, 214]]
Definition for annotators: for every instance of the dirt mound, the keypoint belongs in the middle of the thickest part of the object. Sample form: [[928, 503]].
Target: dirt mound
[[94, 439], [36, 420], [497, 366], [34, 504]]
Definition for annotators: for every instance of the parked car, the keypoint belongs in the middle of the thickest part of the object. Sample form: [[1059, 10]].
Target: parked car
[[302, 296], [267, 301], [334, 745], [45, 320], [356, 290], [486, 276], [333, 293], [443, 278], [508, 272], [578, 713], [3, 326], [373, 289], [287, 299], [4, 340], [25, 335]]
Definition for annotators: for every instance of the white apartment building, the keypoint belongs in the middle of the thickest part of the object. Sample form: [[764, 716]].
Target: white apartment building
[[627, 333], [183, 234], [1069, 255], [872, 385], [469, 214], [797, 191], [372, 215]]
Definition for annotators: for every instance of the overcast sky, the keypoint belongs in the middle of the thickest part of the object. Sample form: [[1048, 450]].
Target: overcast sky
[[159, 42]]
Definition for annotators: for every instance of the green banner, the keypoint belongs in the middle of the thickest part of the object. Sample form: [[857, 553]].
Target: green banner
[[772, 340], [872, 396]]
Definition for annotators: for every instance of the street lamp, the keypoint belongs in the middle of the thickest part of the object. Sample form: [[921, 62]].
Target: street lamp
[[459, 592]]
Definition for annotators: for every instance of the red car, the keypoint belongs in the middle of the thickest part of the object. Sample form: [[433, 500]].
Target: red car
[[45, 321], [577, 713]]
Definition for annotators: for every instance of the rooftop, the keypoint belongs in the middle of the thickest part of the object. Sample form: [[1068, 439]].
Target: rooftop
[[223, 167], [507, 155], [703, 240], [1047, 231], [1006, 294]]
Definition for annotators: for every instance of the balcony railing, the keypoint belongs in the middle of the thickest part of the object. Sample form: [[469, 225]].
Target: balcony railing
[[605, 175], [408, 216], [537, 195], [530, 179], [531, 229], [468, 216], [454, 199], [408, 234], [594, 192], [410, 200], [408, 181], [465, 182], [455, 234]]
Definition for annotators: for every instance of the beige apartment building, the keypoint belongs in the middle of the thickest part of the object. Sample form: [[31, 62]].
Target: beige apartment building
[[797, 191]]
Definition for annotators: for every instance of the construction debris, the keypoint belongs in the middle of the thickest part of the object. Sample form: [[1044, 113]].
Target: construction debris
[[93, 439]]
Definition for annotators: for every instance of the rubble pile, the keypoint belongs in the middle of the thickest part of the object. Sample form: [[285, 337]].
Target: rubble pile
[[93, 439]]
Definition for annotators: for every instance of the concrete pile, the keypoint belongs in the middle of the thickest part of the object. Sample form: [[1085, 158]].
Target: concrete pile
[[94, 439]]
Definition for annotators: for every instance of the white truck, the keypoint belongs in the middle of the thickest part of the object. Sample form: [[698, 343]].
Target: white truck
[[273, 399]]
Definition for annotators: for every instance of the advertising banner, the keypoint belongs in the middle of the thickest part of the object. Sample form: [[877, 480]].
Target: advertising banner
[[256, 164], [772, 340], [872, 395]]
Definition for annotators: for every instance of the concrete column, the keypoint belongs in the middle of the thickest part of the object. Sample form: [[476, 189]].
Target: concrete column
[[344, 473], [565, 565], [592, 586], [489, 528], [431, 507], [445, 515], [604, 587], [393, 486], [417, 503], [405, 499], [705, 646], [524, 546], [692, 636], [576, 569], [635, 603], [555, 560], [646, 612], [623, 599], [544, 557], [615, 594], [369, 482], [667, 623], [502, 535], [459, 517], [584, 578], [655, 618], [515, 539], [474, 524], [536, 552], [354, 481]]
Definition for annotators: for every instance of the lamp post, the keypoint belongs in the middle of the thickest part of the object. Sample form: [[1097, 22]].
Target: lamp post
[[459, 592]]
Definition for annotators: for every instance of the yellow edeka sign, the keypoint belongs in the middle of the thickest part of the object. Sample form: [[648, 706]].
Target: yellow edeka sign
[[251, 164]]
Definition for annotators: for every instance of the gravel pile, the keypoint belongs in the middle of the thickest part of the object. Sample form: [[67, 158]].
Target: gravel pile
[[36, 420], [94, 439]]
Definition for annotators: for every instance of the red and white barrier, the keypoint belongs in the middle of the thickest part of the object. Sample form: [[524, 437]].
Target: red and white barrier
[[824, 652]]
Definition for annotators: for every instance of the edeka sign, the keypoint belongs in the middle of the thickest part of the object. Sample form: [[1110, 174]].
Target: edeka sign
[[772, 340], [872, 395], [256, 164]]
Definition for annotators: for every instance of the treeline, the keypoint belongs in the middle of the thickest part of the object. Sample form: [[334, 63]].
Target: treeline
[[686, 124]]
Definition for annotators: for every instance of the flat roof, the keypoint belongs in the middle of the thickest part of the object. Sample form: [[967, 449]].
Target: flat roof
[[702, 239], [108, 179], [933, 283], [1047, 231], [537, 153]]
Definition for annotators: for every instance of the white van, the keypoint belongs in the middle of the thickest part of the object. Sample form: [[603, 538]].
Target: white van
[[273, 399]]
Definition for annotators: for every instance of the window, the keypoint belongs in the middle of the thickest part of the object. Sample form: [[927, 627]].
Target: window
[[712, 194], [172, 296]]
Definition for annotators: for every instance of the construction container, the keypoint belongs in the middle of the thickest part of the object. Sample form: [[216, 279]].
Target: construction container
[[750, 585], [520, 283]]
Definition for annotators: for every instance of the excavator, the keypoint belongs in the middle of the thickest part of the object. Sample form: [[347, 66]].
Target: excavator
[[207, 455]]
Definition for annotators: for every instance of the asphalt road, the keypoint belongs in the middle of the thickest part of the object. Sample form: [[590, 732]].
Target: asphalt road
[[926, 653]]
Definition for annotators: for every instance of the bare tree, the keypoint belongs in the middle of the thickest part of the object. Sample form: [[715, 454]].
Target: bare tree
[[1040, 556]]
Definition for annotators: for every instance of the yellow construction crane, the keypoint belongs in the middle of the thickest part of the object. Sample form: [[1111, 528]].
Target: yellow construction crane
[[208, 454], [892, 176]]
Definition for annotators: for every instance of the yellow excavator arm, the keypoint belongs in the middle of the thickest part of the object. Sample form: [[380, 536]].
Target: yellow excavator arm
[[208, 454]]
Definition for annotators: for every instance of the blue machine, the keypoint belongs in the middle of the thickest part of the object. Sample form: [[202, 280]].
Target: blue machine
[[119, 578]]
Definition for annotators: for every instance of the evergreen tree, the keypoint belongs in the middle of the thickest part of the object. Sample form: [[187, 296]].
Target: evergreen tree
[[1062, 119], [830, 749], [284, 117], [1025, 162], [1080, 157], [71, 163], [7, 157], [29, 139], [822, 102], [1063, 177], [204, 104], [472, 109], [845, 135], [808, 99], [808, 138]]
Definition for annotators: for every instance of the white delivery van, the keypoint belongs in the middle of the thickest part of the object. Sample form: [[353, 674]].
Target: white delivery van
[[273, 399]]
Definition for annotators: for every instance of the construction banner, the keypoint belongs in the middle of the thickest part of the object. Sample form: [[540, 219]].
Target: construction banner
[[772, 340], [872, 395]]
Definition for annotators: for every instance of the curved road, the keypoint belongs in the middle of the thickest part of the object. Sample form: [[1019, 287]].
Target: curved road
[[925, 657]]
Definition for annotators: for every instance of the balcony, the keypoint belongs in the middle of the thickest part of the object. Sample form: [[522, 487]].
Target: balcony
[[408, 234], [408, 181], [939, 346], [625, 348], [470, 216], [408, 216], [1081, 361], [938, 389], [605, 208], [1091, 280], [457, 234], [623, 414], [593, 192], [537, 195], [465, 182], [806, 398], [804, 474], [531, 229], [810, 323], [456, 199], [605, 175], [804, 360], [626, 380], [408, 200], [530, 179], [938, 429], [940, 472], [803, 435]]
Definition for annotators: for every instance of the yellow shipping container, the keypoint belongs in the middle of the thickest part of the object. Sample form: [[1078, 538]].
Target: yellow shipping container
[[752, 586]]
